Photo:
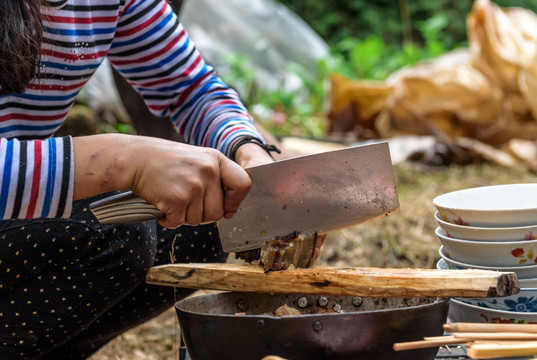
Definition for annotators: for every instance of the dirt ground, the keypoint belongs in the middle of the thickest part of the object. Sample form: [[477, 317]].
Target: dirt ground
[[405, 239]]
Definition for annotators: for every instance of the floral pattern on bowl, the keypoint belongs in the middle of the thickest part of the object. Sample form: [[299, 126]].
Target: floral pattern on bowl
[[517, 303], [523, 272], [525, 257], [489, 253], [464, 312], [477, 233], [458, 220], [500, 320]]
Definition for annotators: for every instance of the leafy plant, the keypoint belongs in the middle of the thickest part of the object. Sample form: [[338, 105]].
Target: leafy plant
[[388, 19], [282, 112], [303, 113], [432, 30], [241, 76], [372, 58]]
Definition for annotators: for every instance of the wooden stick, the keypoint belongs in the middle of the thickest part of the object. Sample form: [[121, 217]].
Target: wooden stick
[[367, 282], [498, 342], [503, 349], [496, 336], [489, 327], [421, 344], [446, 337]]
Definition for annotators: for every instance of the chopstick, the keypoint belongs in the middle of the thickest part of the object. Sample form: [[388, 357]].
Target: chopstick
[[492, 350], [489, 327], [428, 342], [483, 340], [496, 336]]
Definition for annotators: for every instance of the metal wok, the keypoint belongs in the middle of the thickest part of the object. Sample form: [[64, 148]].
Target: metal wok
[[363, 328]]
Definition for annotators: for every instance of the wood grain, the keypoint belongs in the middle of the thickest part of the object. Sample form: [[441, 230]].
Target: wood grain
[[365, 281]]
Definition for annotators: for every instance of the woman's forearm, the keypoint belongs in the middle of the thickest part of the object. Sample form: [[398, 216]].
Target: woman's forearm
[[102, 163], [183, 181]]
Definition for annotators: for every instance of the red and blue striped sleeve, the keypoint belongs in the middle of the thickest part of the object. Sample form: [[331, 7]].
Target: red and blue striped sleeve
[[153, 51], [36, 178]]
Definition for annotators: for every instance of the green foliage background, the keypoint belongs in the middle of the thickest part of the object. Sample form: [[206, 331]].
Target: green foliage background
[[368, 39], [337, 20]]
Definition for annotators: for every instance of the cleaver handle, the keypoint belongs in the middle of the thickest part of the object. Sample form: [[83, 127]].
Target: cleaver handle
[[125, 207]]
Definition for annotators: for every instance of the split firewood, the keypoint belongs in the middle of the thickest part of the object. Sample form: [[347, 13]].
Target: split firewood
[[366, 282]]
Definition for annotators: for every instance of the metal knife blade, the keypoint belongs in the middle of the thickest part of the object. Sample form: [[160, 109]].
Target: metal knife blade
[[321, 192]]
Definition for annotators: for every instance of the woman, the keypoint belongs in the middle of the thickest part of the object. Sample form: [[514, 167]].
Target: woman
[[68, 284]]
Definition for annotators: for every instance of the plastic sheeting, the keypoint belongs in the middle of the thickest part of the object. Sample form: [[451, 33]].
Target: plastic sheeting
[[100, 91], [265, 31]]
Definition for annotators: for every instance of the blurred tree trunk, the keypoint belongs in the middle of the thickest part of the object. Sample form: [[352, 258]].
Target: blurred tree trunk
[[406, 23]]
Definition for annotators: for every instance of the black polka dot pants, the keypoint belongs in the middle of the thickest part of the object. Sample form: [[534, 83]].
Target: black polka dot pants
[[68, 286]]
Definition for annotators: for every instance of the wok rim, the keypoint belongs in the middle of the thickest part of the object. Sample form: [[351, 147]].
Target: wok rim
[[436, 302]]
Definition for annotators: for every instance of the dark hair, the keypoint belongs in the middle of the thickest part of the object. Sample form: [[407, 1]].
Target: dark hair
[[21, 33]]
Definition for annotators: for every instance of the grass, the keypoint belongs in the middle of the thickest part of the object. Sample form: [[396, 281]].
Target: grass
[[405, 239]]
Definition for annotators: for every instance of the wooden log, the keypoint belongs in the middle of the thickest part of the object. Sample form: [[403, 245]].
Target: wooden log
[[366, 282]]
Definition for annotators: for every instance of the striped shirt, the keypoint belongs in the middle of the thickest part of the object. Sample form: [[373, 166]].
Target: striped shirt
[[144, 40]]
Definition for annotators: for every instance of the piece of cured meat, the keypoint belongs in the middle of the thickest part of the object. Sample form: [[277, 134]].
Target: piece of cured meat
[[294, 250]]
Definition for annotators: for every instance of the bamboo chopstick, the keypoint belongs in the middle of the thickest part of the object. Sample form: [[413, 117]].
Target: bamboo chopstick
[[484, 340], [439, 337], [496, 336], [499, 342], [489, 327], [421, 344], [503, 349]]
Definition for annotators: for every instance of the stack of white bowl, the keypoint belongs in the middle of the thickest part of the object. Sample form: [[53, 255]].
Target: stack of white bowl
[[491, 228]]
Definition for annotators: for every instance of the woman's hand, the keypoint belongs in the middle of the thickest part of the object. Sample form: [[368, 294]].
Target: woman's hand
[[185, 182]]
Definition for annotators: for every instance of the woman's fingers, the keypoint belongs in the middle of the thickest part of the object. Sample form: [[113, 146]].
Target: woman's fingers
[[194, 211], [237, 184], [203, 198], [213, 203], [187, 183]]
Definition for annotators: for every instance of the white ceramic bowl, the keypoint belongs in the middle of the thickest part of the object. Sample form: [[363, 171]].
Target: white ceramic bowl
[[524, 283], [490, 206], [522, 272], [462, 312], [487, 233], [524, 301], [489, 253], [528, 283]]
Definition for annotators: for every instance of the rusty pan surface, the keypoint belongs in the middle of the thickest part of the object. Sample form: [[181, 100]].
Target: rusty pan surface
[[364, 328]]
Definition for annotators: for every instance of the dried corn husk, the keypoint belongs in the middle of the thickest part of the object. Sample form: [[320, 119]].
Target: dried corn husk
[[484, 95]]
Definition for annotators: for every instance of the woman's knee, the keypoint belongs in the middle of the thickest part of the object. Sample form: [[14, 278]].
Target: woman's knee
[[130, 249]]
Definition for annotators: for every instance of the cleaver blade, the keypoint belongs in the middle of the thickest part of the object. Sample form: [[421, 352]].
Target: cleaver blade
[[320, 193]]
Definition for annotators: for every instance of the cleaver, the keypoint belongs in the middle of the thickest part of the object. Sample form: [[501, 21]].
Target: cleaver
[[320, 193]]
